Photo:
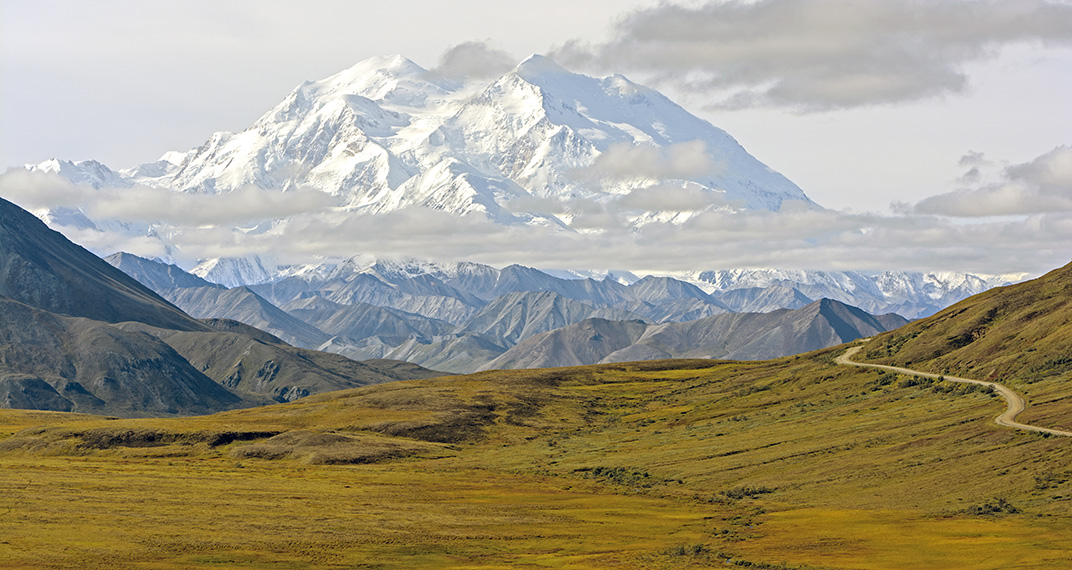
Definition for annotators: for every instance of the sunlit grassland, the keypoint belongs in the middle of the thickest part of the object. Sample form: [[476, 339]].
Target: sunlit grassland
[[675, 464], [207, 513]]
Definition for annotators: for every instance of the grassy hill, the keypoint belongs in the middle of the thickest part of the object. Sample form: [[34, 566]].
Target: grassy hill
[[1020, 335], [647, 465]]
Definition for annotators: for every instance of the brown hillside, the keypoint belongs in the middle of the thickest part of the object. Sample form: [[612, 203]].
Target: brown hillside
[[1020, 335]]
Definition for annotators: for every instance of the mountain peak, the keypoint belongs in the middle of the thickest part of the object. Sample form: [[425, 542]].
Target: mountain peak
[[539, 65], [385, 79], [395, 64]]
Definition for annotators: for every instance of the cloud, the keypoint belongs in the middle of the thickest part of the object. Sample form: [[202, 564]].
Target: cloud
[[820, 54], [677, 161], [36, 190], [474, 60], [246, 205], [1043, 185], [537, 205], [807, 239], [604, 236], [1050, 173]]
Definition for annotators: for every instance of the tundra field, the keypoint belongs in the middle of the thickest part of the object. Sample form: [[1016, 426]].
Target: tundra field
[[797, 463]]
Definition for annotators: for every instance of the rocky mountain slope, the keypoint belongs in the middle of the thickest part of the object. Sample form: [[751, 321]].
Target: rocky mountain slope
[[241, 304], [738, 336], [78, 335], [154, 274], [52, 362], [41, 268]]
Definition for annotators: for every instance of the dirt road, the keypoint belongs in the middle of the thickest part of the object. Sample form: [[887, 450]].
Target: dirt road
[[1008, 418]]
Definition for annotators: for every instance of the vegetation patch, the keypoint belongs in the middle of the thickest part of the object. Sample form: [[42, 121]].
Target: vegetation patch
[[996, 506], [1049, 480], [326, 448], [1053, 366], [891, 344], [943, 386], [623, 476], [703, 555], [454, 427], [738, 493], [691, 550]]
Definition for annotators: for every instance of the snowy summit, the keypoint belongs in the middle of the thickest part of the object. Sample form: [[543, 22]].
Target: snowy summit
[[524, 148]]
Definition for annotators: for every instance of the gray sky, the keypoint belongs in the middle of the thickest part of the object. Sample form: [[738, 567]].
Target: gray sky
[[953, 108]]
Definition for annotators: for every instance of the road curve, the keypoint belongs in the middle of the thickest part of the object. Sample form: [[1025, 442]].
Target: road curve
[[1008, 418]]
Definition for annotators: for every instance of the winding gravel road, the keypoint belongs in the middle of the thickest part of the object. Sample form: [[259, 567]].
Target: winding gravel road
[[1007, 419]]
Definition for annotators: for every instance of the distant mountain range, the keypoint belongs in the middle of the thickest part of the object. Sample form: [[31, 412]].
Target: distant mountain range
[[740, 336], [466, 317], [909, 294], [78, 335]]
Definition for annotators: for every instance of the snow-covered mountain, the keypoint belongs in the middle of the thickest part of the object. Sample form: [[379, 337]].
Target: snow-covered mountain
[[909, 294], [386, 134], [535, 146], [681, 296], [236, 271]]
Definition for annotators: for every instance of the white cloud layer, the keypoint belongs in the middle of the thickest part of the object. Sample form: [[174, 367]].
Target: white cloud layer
[[37, 190], [797, 239], [921, 237], [821, 54]]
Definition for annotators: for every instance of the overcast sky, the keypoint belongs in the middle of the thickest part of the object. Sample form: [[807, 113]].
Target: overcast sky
[[947, 117]]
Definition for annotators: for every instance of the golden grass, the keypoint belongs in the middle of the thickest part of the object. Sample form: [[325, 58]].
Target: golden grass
[[654, 465], [205, 513], [894, 540]]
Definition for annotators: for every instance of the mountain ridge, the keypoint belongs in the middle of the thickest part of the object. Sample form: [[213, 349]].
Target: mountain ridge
[[41, 268], [910, 294], [78, 334], [732, 336]]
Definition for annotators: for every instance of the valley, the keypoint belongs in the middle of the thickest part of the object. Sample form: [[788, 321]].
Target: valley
[[797, 462]]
